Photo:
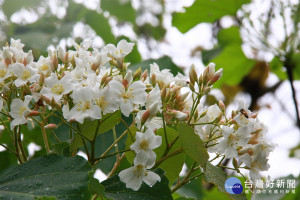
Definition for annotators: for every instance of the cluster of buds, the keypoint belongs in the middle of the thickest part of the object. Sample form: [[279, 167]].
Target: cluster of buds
[[205, 80]]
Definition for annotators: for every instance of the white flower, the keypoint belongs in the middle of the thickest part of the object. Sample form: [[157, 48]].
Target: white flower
[[23, 74], [144, 144], [55, 88], [154, 97], [212, 113], [135, 175], [19, 111], [123, 48], [3, 72], [84, 105], [45, 66], [232, 139], [107, 99], [256, 163], [164, 75], [131, 94]]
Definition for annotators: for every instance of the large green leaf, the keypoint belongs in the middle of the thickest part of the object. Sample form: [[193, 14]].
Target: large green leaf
[[205, 11], [163, 63], [123, 11], [234, 63], [192, 145], [218, 177], [47, 176], [9, 7], [229, 36], [117, 190], [7, 160], [172, 166]]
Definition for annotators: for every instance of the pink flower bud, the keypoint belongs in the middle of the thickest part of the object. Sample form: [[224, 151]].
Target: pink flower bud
[[51, 126]]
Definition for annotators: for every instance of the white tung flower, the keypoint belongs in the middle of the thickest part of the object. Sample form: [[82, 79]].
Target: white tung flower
[[131, 94], [232, 139], [107, 99], [144, 144], [123, 48], [3, 72], [55, 88], [84, 105], [23, 74], [135, 175], [19, 111]]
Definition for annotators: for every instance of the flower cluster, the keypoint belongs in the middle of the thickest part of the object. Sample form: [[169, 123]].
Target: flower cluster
[[81, 84]]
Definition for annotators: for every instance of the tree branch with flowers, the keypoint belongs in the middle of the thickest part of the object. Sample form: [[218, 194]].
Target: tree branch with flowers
[[75, 96]]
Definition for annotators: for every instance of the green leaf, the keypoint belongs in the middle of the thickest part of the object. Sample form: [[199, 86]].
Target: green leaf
[[163, 63], [100, 25], [276, 67], [7, 160], [218, 177], [123, 11], [9, 7], [89, 127], [229, 36], [96, 188], [234, 63], [172, 166], [62, 148], [47, 176], [208, 55], [192, 145], [296, 65], [117, 190], [205, 11]]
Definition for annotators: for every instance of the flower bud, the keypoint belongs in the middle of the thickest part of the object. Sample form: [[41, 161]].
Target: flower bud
[[221, 105], [181, 115], [144, 75], [163, 93], [253, 115], [62, 55], [235, 163], [51, 126], [33, 113], [192, 86], [137, 74], [193, 74], [203, 113], [215, 77], [104, 77], [184, 96], [153, 80]]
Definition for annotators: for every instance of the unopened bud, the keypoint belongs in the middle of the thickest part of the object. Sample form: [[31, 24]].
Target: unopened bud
[[33, 113], [203, 113], [137, 74], [46, 99], [42, 79], [193, 74], [253, 115], [221, 105], [235, 163], [120, 65], [104, 77], [184, 96], [218, 119], [144, 75], [215, 77], [163, 93], [192, 86], [153, 80], [51, 126], [108, 80], [181, 115], [196, 115]]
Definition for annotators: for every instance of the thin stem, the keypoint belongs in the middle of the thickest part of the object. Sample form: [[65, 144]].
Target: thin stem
[[8, 149], [128, 128], [42, 125], [185, 180], [115, 137], [17, 147], [21, 145], [86, 149], [165, 130], [289, 71], [117, 164], [112, 154]]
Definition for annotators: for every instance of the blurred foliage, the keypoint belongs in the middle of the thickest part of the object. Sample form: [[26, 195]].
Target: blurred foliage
[[241, 71]]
